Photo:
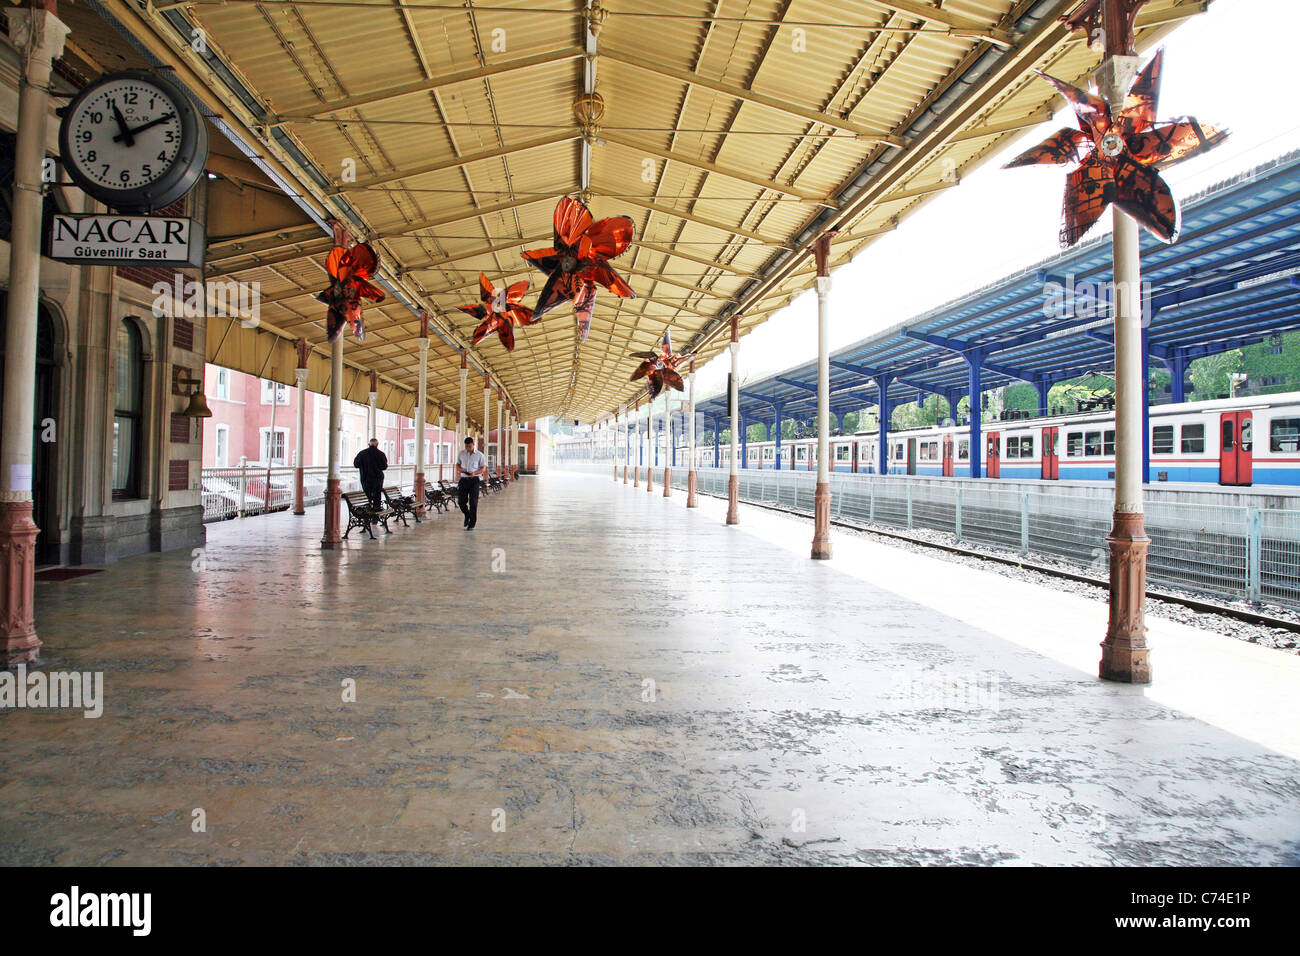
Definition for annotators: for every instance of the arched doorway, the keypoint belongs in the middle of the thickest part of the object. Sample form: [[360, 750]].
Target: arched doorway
[[45, 459]]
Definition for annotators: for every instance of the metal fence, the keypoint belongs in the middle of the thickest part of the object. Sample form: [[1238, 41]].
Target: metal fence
[[1236, 552], [244, 491]]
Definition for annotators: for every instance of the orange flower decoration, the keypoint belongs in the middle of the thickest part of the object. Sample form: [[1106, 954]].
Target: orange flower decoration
[[660, 368], [348, 270], [1118, 158], [500, 311]]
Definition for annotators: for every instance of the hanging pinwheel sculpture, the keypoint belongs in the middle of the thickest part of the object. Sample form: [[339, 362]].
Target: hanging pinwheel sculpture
[[580, 260], [1117, 159], [511, 312], [349, 269], [660, 368]]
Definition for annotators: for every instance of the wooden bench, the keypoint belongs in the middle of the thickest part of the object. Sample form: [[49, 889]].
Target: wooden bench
[[402, 505], [362, 514]]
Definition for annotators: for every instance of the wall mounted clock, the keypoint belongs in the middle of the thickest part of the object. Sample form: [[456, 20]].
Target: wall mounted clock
[[134, 140]]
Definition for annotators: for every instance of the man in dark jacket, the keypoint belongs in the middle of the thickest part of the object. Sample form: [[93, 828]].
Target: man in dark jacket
[[372, 464]]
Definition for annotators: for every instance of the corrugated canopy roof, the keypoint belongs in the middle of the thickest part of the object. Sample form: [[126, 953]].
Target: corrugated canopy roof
[[734, 133]]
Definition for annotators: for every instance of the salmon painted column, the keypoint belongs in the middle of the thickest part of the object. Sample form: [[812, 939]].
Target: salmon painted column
[[501, 437], [332, 538], [440, 455], [652, 446], [420, 399], [1124, 653], [300, 374], [821, 544], [668, 442], [733, 480], [371, 420], [38, 35], [690, 473], [461, 433], [487, 417]]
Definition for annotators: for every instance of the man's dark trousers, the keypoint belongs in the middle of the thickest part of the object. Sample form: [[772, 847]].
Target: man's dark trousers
[[468, 488], [374, 492]]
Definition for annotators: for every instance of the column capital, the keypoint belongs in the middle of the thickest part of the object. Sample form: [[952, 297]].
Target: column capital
[[50, 33], [423, 345], [301, 375]]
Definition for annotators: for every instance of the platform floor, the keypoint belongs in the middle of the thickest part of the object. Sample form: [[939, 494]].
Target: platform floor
[[880, 708]]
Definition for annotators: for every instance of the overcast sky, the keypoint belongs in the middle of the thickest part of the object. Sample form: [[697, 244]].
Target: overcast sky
[[1232, 66]]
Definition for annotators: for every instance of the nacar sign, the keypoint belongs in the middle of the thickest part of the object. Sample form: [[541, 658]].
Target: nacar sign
[[127, 240]]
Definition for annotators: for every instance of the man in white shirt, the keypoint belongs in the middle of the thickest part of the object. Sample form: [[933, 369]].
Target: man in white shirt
[[470, 464]]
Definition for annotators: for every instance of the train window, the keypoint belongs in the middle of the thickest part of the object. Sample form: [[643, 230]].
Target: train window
[[1162, 440], [1013, 447], [1092, 444], [1074, 445], [1027, 447], [1284, 434], [1229, 426], [1247, 435], [801, 453], [1108, 443], [1193, 439], [963, 449], [769, 454], [842, 453]]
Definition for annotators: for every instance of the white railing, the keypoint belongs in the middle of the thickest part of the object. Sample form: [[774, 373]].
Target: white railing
[[243, 491]]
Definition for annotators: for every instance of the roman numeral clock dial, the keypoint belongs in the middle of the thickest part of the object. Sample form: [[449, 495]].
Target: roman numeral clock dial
[[134, 141]]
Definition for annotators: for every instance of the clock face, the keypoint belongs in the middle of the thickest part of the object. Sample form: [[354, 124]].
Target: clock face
[[125, 135]]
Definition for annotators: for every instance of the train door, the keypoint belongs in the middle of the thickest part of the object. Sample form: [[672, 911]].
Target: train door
[[1236, 432], [1051, 461], [853, 450], [947, 456], [993, 461], [911, 456]]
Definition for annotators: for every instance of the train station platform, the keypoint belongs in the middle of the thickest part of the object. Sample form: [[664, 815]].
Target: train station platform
[[635, 682]]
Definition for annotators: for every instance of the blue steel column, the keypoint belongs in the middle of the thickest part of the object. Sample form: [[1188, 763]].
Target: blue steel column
[[1177, 373], [1146, 405], [776, 428], [1042, 385], [882, 451], [974, 389]]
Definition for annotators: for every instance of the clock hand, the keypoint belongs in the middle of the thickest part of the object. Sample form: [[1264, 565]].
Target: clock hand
[[130, 133], [125, 133]]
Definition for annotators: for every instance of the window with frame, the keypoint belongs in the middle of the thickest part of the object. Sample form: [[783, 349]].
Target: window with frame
[[273, 446], [1193, 439], [223, 446], [801, 454], [1074, 445], [842, 453], [769, 454], [963, 449], [1162, 440], [223, 383], [1284, 435], [128, 414], [1092, 444], [270, 388]]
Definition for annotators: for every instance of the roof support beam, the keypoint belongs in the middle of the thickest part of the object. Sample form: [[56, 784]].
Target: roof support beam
[[435, 264], [736, 174], [955, 23], [429, 86], [750, 96], [454, 162], [699, 220], [690, 258]]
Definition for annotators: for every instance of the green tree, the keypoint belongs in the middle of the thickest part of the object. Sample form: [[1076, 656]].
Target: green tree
[[1209, 375]]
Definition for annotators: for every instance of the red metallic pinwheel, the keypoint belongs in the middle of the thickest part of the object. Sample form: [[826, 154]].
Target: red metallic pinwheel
[[579, 261], [500, 311], [659, 368], [1117, 158], [349, 269]]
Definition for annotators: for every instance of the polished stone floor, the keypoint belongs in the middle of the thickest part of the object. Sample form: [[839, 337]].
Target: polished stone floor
[[598, 675]]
